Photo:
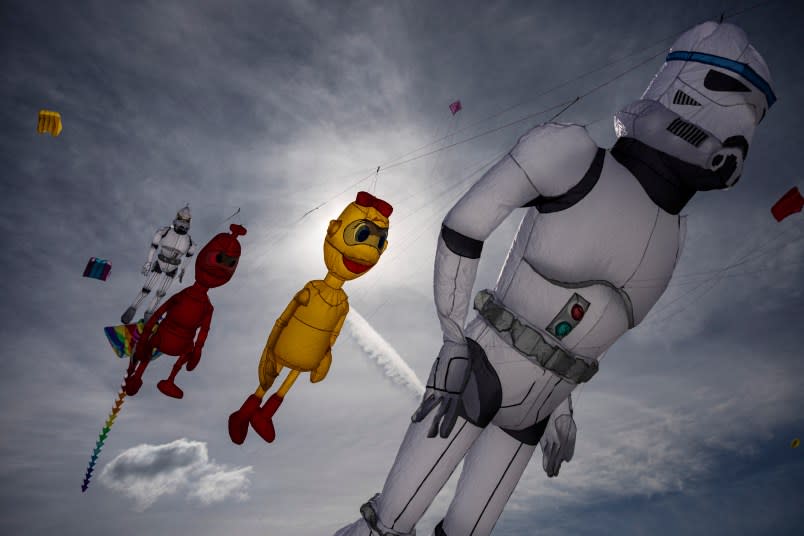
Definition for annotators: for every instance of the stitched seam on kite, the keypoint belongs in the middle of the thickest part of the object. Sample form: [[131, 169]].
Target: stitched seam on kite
[[524, 173], [428, 474], [516, 453], [532, 385]]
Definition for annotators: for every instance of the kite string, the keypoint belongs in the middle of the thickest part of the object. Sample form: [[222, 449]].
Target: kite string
[[657, 315], [395, 162]]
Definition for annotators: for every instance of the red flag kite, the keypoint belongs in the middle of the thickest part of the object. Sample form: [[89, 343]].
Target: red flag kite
[[455, 107], [788, 204]]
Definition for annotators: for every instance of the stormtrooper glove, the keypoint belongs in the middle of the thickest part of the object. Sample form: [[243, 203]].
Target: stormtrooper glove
[[558, 441], [445, 386]]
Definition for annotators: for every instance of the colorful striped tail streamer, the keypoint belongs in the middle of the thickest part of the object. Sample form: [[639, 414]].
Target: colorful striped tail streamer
[[102, 438]]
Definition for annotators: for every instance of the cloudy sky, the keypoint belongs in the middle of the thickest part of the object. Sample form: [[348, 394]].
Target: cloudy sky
[[280, 107]]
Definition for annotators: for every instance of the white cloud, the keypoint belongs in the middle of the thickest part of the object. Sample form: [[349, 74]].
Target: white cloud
[[147, 472], [383, 353], [220, 484]]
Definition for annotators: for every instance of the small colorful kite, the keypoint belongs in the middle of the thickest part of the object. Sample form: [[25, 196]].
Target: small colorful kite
[[455, 107], [102, 438], [49, 122], [98, 268], [788, 204]]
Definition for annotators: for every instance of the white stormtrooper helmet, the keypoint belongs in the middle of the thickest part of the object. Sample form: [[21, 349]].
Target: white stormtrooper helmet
[[182, 222], [704, 103]]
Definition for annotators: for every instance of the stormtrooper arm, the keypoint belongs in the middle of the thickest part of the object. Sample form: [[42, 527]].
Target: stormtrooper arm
[[547, 161], [155, 244], [504, 188], [191, 249], [538, 166]]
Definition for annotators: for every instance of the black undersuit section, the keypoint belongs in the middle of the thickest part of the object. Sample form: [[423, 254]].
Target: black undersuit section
[[668, 181], [461, 244], [439, 530], [564, 201], [530, 435]]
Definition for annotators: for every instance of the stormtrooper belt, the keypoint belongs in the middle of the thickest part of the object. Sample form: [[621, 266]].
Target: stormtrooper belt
[[531, 343], [170, 260]]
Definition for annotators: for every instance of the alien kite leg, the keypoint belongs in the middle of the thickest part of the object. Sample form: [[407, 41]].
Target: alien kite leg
[[185, 313], [303, 336], [597, 226]]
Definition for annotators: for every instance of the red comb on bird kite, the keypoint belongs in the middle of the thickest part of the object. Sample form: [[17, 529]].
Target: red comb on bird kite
[[365, 199], [788, 204]]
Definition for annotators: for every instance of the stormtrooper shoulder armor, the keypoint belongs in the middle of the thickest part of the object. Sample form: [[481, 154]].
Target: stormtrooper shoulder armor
[[555, 156]]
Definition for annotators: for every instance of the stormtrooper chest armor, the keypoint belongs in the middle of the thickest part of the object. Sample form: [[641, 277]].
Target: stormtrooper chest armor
[[173, 246], [584, 275]]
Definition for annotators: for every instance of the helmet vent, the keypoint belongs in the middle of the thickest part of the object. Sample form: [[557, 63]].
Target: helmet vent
[[682, 98], [687, 132]]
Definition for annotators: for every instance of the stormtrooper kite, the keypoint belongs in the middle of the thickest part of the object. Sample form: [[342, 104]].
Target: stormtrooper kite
[[170, 245], [596, 248]]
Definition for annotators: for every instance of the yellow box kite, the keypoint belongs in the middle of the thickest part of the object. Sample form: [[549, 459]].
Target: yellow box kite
[[49, 122]]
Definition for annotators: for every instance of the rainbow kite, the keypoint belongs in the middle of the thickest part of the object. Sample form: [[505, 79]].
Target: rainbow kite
[[102, 438], [124, 338]]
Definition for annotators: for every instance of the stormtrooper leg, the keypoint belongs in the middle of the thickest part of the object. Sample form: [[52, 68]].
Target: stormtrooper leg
[[150, 281], [164, 283], [422, 467], [491, 471]]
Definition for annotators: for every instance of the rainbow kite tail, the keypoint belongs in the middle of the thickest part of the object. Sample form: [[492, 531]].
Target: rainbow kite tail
[[102, 438]]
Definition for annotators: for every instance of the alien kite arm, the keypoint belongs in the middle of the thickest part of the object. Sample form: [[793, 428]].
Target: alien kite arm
[[267, 370], [201, 338]]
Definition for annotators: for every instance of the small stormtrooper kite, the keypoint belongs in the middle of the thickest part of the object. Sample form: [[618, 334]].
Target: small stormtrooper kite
[[596, 248], [170, 245], [303, 336]]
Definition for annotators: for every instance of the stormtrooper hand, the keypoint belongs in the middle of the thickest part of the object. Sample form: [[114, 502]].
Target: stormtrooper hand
[[448, 379], [558, 441], [146, 268]]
